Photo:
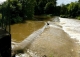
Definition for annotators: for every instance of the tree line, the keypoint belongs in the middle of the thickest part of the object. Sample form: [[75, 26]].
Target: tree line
[[21, 10], [71, 10]]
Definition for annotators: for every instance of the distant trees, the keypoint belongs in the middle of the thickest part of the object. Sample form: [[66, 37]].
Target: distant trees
[[45, 7], [70, 10], [0, 8], [64, 9], [73, 9], [22, 9], [27, 8], [79, 1], [19, 10], [49, 8]]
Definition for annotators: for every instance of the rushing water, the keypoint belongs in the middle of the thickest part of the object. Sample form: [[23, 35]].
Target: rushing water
[[72, 27], [22, 30]]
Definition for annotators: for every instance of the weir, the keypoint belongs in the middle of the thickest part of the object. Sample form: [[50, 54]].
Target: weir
[[26, 42], [45, 44]]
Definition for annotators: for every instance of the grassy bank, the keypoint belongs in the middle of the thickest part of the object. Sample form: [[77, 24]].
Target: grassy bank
[[67, 16], [35, 18], [18, 19], [42, 17]]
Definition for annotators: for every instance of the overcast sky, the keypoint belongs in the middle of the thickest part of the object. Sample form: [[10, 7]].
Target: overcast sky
[[65, 1], [58, 1], [2, 1]]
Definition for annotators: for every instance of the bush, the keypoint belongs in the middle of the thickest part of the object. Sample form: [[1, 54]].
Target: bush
[[47, 16], [0, 16], [16, 20], [64, 16], [43, 17], [78, 17]]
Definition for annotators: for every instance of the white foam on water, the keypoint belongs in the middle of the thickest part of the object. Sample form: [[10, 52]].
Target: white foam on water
[[28, 41], [28, 53], [71, 27]]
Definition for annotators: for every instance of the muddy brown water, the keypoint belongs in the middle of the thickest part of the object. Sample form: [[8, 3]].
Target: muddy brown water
[[53, 42], [22, 30]]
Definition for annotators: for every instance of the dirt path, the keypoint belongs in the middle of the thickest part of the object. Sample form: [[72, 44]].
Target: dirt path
[[54, 42]]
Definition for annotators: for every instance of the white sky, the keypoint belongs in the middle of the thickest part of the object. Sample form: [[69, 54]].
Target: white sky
[[65, 1], [2, 1], [58, 1]]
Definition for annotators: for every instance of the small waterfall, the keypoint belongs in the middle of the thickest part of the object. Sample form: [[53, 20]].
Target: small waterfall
[[27, 41], [32, 37]]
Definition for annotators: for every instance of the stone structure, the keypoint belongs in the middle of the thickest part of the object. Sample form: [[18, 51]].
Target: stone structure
[[5, 43]]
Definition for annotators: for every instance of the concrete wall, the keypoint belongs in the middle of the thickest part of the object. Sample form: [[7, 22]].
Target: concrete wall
[[5, 44]]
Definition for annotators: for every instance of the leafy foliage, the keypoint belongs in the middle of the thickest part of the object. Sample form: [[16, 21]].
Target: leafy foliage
[[78, 17], [20, 10], [49, 8], [44, 6], [70, 10], [0, 16]]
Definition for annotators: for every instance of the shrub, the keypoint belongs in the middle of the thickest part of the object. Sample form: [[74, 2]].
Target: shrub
[[64, 16], [0, 16], [78, 17], [16, 20]]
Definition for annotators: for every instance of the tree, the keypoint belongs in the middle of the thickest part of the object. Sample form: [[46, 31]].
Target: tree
[[78, 12], [72, 9], [0, 8], [43, 6], [39, 8], [64, 10], [49, 8], [15, 10], [20, 10], [79, 1], [27, 8], [57, 10]]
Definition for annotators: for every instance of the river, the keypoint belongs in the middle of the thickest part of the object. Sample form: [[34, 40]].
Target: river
[[56, 30], [22, 30], [72, 27]]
